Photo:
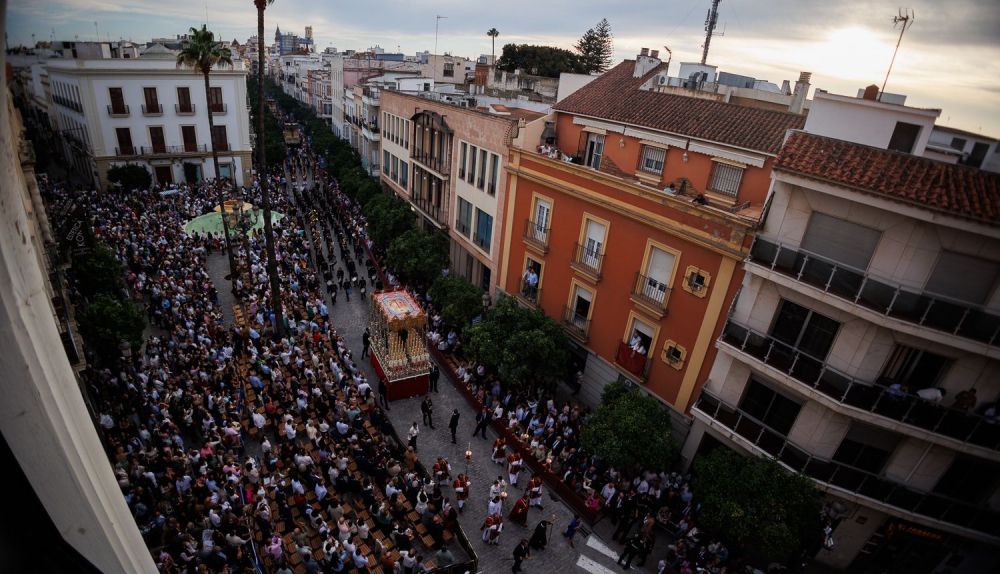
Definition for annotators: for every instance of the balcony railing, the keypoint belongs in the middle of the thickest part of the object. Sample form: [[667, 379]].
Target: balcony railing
[[650, 293], [531, 294], [118, 112], [68, 103], [222, 146], [152, 110], [632, 361], [218, 109], [537, 234], [578, 325], [437, 212], [857, 286], [126, 150], [184, 109], [437, 164], [173, 149], [588, 260], [897, 405], [855, 480]]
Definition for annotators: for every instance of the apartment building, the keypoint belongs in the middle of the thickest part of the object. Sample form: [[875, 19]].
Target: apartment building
[[863, 350], [627, 214], [148, 111]]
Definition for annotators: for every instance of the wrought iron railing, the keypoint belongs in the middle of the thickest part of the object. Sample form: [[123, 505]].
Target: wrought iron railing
[[651, 292], [588, 260], [577, 324], [537, 233]]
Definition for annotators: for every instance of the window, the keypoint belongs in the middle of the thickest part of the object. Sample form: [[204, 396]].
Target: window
[[152, 102], [674, 354], [726, 179], [840, 240], [867, 448], [481, 181], [156, 139], [395, 168], [124, 136], [491, 188], [958, 143], [385, 157], [580, 309], [184, 100], [641, 336], [540, 226], [913, 368], [904, 137], [462, 154], [215, 100], [657, 276], [593, 247], [449, 70], [652, 159], [403, 179], [484, 229], [219, 138], [464, 220], [117, 101], [970, 479], [804, 329], [769, 407], [595, 149], [962, 277], [472, 166], [190, 138]]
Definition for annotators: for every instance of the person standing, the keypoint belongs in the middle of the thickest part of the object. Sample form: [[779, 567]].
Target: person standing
[[435, 374], [519, 513], [453, 425], [513, 467], [482, 421], [633, 548], [461, 486], [521, 552], [382, 390], [412, 436], [535, 491], [571, 529], [540, 537], [366, 342], [427, 409]]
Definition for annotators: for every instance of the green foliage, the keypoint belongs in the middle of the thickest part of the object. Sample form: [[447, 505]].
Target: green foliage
[[202, 52], [106, 322], [522, 345], [458, 300], [99, 272], [540, 60], [596, 47], [388, 218], [630, 428], [274, 136], [418, 256], [130, 176], [754, 502]]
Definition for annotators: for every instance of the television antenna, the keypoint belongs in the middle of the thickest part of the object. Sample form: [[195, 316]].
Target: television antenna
[[904, 19], [711, 20]]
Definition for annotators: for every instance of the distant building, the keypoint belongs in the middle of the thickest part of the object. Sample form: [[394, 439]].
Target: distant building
[[289, 43]]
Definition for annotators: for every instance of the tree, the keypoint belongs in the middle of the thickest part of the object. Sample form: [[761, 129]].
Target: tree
[[201, 54], [596, 47], [265, 191], [388, 218], [493, 33], [458, 300], [756, 503], [130, 176], [99, 272], [540, 60], [630, 428], [418, 256], [522, 345], [106, 322]]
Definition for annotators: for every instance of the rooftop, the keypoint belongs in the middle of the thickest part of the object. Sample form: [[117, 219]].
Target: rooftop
[[956, 190], [618, 96]]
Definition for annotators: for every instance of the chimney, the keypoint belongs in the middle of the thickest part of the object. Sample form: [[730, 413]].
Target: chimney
[[654, 54], [786, 88], [870, 93], [645, 62], [800, 93], [644, 52]]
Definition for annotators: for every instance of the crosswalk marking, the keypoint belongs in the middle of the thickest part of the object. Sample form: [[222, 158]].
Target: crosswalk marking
[[592, 567], [596, 544]]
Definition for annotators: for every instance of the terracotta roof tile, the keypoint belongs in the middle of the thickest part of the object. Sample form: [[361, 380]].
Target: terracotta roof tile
[[616, 96], [954, 189]]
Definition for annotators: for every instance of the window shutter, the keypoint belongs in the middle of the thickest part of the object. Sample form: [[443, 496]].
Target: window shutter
[[661, 263], [841, 240], [963, 277]]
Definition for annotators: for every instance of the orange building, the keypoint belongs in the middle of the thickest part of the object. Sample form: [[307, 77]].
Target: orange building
[[628, 211]]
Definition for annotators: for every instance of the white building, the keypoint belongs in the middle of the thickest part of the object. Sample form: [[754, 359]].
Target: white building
[[151, 112], [874, 278], [959, 146]]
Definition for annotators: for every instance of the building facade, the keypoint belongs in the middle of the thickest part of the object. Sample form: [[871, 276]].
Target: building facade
[[627, 215], [863, 350], [149, 112]]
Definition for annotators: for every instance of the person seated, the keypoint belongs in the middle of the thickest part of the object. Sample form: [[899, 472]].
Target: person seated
[[700, 199], [966, 400]]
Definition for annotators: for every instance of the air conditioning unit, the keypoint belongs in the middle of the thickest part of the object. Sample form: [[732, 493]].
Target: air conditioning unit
[[662, 80]]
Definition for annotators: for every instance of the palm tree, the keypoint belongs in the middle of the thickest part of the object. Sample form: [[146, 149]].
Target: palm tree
[[265, 192], [201, 54], [493, 33]]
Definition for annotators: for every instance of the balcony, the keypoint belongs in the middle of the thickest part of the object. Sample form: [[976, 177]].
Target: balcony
[[588, 262], [536, 236], [636, 364], [839, 387], [370, 131], [221, 146], [578, 326], [152, 110], [865, 484], [437, 212], [890, 300], [118, 111], [217, 109], [174, 149], [651, 295], [68, 103], [184, 109], [431, 162], [531, 294], [370, 96], [126, 151]]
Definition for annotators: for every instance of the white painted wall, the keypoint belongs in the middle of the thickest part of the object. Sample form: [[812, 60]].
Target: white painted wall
[[865, 122]]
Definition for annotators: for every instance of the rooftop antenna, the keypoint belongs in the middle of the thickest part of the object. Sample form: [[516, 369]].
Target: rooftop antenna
[[905, 19], [436, 23], [670, 56], [710, 22], [96, 33]]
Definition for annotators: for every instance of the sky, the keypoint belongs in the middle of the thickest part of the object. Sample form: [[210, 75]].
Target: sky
[[949, 58]]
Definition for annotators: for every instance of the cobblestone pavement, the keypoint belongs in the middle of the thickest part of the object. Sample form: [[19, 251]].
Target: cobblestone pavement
[[592, 553]]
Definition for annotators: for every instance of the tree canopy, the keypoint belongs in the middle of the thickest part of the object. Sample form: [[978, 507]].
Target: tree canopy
[[388, 218], [540, 60], [630, 428], [522, 345], [130, 176], [106, 322], [458, 300], [596, 47], [418, 256], [754, 502], [202, 52], [99, 272]]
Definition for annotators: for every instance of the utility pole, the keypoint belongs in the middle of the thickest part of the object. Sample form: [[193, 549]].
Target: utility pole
[[437, 22], [906, 18], [710, 21]]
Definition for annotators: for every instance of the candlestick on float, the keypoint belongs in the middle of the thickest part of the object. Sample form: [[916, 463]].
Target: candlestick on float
[[468, 458]]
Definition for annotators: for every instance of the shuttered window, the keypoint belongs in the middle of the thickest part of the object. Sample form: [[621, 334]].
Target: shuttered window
[[726, 179], [652, 159], [963, 277], [840, 240]]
